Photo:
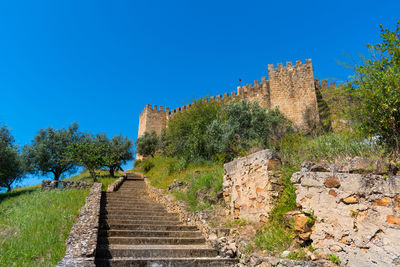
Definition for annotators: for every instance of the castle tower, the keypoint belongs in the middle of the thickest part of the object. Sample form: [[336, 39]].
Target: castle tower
[[152, 119], [292, 90]]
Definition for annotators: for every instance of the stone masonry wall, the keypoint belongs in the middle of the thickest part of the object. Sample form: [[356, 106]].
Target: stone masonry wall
[[292, 90], [250, 185], [357, 216], [49, 185], [82, 240]]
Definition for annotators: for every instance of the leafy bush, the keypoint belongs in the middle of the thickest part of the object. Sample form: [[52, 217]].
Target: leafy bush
[[137, 163], [186, 135], [376, 86], [220, 131], [147, 166], [177, 166], [148, 144]]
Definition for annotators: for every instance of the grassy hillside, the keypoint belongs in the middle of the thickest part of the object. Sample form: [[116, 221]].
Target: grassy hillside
[[34, 225], [202, 178]]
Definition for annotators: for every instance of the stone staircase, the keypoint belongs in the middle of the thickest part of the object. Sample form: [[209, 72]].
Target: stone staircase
[[137, 231]]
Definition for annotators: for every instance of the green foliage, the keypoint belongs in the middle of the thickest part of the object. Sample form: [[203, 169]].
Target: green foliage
[[148, 144], [333, 258], [147, 166], [219, 131], [34, 225], [376, 86], [299, 255], [103, 177], [201, 177], [207, 184], [12, 167], [274, 238], [88, 153], [335, 106], [237, 222], [186, 134], [47, 152], [244, 125], [119, 151], [297, 148], [287, 198]]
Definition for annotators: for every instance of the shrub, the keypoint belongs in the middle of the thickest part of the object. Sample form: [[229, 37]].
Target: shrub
[[376, 86], [219, 131], [147, 165], [186, 134], [148, 144], [137, 163]]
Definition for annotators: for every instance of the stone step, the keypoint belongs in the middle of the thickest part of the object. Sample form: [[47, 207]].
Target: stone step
[[137, 227], [121, 209], [164, 262], [157, 251], [128, 197], [113, 217], [122, 240], [139, 213], [144, 222], [144, 233], [129, 200], [129, 205], [132, 203]]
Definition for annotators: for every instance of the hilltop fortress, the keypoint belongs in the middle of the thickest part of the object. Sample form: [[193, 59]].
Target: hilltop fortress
[[292, 89]]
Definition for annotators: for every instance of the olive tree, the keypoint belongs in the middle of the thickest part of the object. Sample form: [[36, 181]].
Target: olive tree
[[148, 144], [119, 151], [46, 153], [12, 167], [88, 153]]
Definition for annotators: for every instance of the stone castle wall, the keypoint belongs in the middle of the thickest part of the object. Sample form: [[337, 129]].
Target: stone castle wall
[[292, 89]]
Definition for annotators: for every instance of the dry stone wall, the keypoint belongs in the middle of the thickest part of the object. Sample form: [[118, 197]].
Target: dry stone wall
[[357, 216], [250, 185], [49, 185], [82, 240]]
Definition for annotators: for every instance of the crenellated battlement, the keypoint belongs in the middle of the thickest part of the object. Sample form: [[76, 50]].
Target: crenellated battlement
[[290, 88], [324, 83]]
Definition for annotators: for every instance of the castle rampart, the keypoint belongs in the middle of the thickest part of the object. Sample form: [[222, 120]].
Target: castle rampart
[[292, 89]]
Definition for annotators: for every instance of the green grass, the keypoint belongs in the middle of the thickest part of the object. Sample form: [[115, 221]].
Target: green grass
[[206, 177], [103, 177], [296, 148], [276, 236], [34, 225]]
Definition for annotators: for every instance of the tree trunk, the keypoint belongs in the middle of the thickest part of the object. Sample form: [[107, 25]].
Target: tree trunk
[[56, 176], [112, 172], [8, 188], [93, 174]]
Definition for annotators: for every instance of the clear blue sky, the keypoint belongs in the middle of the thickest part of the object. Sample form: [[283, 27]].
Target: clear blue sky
[[100, 62]]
